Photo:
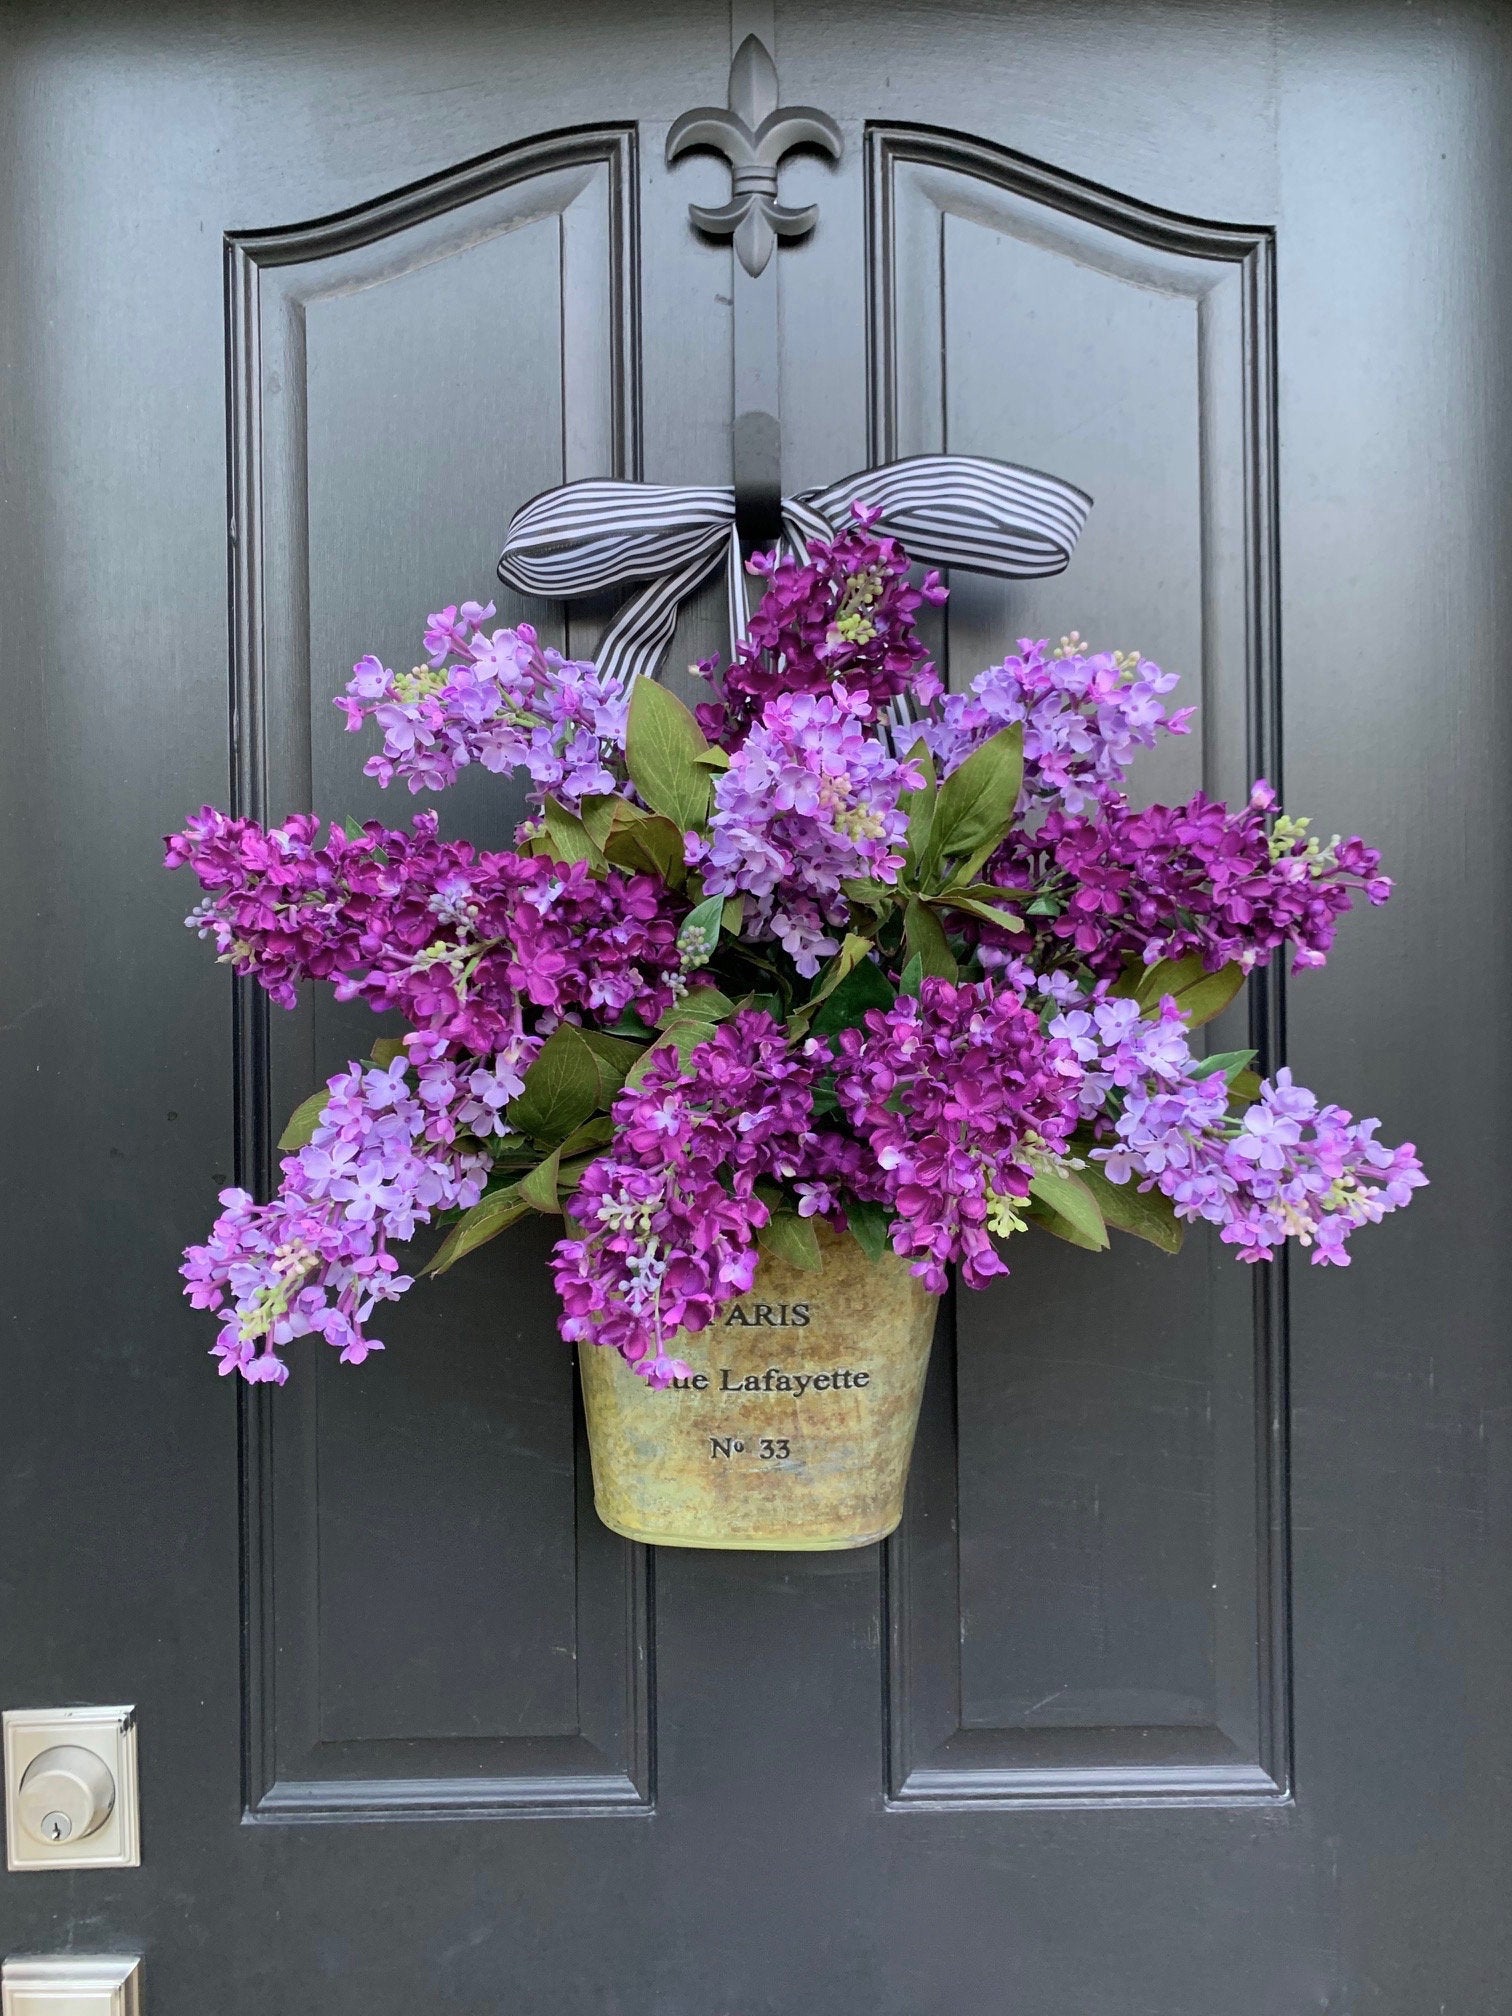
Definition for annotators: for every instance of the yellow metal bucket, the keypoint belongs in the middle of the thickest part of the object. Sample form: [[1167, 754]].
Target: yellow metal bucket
[[794, 1430]]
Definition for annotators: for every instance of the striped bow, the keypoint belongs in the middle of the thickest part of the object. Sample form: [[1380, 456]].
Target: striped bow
[[947, 510]]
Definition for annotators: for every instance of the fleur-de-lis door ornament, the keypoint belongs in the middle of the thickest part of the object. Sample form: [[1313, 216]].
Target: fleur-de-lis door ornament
[[753, 135]]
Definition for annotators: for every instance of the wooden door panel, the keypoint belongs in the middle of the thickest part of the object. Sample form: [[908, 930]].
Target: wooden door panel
[[1090, 1599], [435, 1622]]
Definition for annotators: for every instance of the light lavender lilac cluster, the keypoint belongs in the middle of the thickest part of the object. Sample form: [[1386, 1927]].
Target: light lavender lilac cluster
[[1085, 715], [392, 1148], [490, 697], [809, 802], [1287, 1167]]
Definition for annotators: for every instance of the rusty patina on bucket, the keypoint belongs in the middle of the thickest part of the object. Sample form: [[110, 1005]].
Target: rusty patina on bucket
[[796, 1427]]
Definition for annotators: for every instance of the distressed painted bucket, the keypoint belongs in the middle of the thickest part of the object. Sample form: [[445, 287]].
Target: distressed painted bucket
[[796, 1426]]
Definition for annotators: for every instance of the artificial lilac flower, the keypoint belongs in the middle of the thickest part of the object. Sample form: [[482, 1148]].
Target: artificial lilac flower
[[1084, 715], [383, 1159], [960, 1096], [810, 801], [458, 942], [668, 1218], [1287, 1167], [502, 701], [843, 617], [1159, 883]]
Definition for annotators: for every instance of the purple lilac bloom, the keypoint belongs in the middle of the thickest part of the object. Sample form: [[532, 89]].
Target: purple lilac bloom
[[501, 701], [668, 1218], [391, 1148], [458, 942], [844, 616], [960, 1096], [1084, 715], [1288, 1167], [1169, 880], [810, 801]]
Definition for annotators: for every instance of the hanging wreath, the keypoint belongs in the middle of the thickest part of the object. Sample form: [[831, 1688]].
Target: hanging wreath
[[834, 949]]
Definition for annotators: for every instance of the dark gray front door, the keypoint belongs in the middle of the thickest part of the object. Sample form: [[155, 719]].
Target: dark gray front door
[[1182, 1690]]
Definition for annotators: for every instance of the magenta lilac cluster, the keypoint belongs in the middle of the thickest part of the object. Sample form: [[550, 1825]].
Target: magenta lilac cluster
[[845, 616], [461, 943], [836, 947], [669, 1217], [1118, 884], [960, 1095]]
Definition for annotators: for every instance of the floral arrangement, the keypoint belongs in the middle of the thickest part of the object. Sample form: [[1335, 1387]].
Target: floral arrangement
[[835, 945]]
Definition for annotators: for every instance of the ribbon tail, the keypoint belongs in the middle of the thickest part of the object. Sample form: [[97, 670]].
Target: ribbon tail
[[637, 640], [736, 597]]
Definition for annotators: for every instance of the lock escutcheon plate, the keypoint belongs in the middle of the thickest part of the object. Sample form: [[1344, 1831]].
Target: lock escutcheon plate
[[88, 1782]]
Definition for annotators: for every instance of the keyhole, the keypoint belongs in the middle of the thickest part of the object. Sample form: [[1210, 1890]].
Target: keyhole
[[57, 1826]]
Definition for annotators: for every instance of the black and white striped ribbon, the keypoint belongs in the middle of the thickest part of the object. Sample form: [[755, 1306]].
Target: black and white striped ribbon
[[948, 511]]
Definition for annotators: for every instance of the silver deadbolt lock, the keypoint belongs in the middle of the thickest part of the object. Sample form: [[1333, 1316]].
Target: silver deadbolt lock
[[66, 1794], [70, 1788]]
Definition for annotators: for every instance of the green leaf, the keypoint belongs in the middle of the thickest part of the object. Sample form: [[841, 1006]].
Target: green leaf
[[683, 1034], [977, 801], [649, 845], [303, 1121], [1068, 1197], [489, 1217], [600, 813], [595, 1133], [663, 744], [972, 904], [709, 1004], [865, 986], [868, 895], [617, 1052], [629, 1026], [1047, 906], [567, 837], [1144, 1213], [869, 1224], [1061, 1228], [561, 1088], [386, 1049], [1229, 1062], [911, 980], [713, 758], [788, 1237], [924, 935], [613, 1057], [853, 949], [734, 914], [969, 866], [1199, 995], [539, 1189], [1244, 1089], [699, 933]]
